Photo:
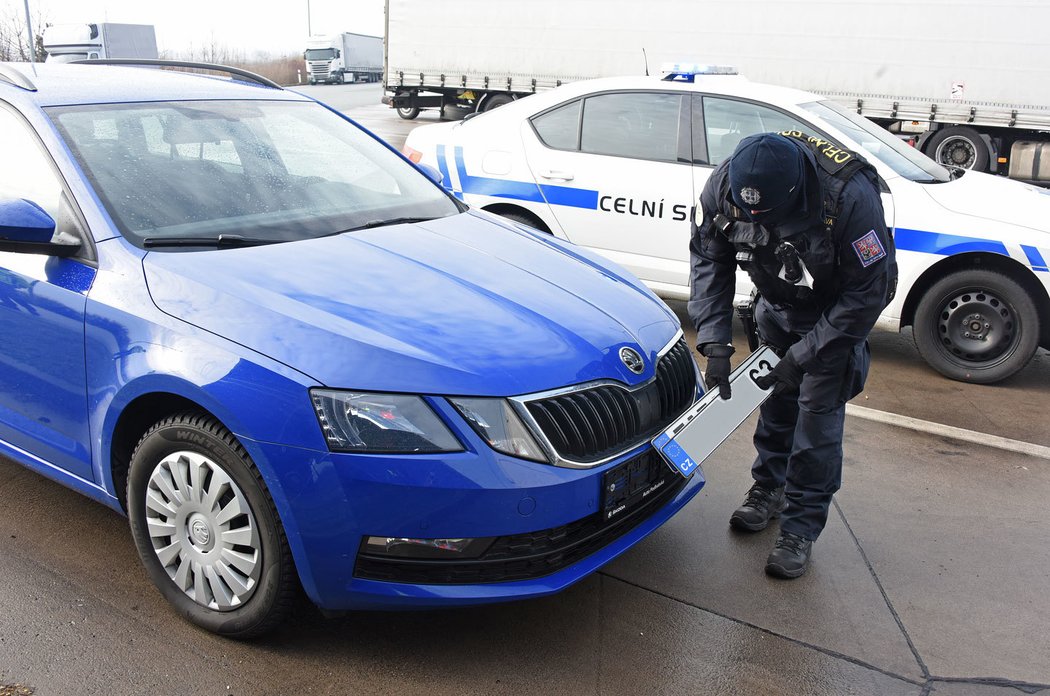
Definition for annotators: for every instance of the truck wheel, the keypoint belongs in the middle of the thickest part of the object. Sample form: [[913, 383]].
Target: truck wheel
[[206, 528], [496, 101], [958, 146], [977, 326], [408, 112]]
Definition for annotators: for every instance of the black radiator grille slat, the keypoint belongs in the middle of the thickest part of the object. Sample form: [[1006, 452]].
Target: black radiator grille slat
[[594, 423]]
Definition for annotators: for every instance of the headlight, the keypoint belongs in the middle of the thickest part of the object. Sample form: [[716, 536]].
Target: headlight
[[497, 422], [364, 422]]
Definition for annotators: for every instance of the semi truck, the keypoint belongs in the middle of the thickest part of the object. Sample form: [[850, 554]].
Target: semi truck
[[934, 72], [65, 43], [344, 57]]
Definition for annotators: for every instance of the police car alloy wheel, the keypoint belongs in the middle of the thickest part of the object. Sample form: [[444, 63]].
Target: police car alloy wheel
[[977, 326], [206, 528]]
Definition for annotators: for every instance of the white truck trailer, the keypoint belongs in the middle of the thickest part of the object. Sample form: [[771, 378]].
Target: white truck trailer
[[344, 57], [937, 72], [65, 43]]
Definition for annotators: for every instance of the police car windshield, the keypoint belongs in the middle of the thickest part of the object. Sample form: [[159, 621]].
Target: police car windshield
[[889, 149], [270, 171]]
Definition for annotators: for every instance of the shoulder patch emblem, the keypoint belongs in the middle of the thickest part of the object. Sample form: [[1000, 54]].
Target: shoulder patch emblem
[[869, 249]]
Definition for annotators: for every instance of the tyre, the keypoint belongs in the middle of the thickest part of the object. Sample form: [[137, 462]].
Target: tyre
[[496, 101], [408, 112], [206, 528], [958, 146], [977, 326]]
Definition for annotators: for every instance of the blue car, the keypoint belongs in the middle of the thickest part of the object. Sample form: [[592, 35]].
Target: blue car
[[297, 364]]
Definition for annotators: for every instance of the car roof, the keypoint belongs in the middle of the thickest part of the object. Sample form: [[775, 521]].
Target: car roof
[[67, 84], [728, 85]]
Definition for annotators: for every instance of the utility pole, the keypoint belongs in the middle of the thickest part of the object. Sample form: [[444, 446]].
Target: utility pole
[[309, 31], [32, 39]]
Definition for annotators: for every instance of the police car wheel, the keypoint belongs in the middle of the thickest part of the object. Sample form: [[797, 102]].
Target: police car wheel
[[206, 528], [408, 113], [977, 326]]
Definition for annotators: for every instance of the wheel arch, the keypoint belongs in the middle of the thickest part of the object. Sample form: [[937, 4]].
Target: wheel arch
[[505, 209], [981, 260], [132, 423]]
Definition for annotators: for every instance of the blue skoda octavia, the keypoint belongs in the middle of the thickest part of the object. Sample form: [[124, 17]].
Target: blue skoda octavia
[[298, 365]]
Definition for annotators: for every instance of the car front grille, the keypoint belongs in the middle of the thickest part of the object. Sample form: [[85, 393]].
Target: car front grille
[[591, 424], [533, 554]]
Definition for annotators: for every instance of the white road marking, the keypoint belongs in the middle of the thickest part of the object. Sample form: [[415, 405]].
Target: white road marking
[[985, 439]]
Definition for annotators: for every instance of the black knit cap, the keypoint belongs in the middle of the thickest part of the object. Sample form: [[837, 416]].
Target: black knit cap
[[765, 172]]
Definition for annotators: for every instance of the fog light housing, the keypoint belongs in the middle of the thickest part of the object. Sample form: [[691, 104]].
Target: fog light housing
[[405, 547]]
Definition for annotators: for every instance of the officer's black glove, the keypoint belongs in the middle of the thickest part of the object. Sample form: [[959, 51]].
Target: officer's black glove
[[717, 372], [785, 377]]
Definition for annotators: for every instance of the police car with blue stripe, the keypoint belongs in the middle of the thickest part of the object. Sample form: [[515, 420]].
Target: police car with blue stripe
[[617, 165]]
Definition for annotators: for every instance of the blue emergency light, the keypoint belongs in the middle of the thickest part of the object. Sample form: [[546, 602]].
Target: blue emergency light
[[686, 72]]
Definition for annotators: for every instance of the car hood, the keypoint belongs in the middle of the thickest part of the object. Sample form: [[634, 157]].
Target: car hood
[[459, 305], [995, 198]]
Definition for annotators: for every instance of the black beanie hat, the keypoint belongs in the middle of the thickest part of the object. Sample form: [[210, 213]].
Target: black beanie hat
[[765, 172]]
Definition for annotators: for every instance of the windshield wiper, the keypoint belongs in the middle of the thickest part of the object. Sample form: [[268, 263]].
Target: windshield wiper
[[389, 221], [219, 242]]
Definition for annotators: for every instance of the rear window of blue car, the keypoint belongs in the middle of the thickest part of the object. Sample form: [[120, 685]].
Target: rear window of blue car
[[276, 171]]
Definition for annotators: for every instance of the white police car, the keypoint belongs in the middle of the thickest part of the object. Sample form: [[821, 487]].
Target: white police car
[[617, 164]]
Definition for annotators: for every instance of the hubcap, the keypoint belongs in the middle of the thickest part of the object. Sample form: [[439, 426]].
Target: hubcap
[[977, 327], [957, 152], [203, 531]]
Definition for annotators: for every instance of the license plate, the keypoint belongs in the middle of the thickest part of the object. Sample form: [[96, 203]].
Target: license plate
[[691, 439], [630, 484]]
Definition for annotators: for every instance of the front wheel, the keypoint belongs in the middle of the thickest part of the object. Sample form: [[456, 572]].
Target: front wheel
[[206, 528], [408, 112], [977, 326]]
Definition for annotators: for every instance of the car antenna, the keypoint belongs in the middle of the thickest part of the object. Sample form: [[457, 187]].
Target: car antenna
[[32, 39], [645, 58]]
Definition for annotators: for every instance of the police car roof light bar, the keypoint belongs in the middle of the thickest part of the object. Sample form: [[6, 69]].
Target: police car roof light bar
[[688, 71]]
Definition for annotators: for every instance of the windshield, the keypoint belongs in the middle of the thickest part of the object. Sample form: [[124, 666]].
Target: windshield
[[320, 53], [888, 148], [271, 171]]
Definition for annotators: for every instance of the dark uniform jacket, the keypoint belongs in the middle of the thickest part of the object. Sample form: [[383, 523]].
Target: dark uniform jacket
[[852, 264]]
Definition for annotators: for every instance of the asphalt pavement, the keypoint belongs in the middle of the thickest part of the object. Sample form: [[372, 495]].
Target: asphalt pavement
[[931, 578]]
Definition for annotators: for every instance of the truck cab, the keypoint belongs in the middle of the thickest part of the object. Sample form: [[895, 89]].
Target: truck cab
[[66, 43], [324, 60]]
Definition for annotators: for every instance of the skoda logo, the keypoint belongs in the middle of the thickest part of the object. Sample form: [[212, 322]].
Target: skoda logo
[[201, 532], [632, 360], [750, 195]]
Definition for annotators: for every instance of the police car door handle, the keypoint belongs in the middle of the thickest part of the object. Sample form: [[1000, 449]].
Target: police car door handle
[[560, 176]]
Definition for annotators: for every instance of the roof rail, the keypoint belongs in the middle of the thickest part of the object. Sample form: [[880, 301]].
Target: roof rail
[[236, 72], [12, 76]]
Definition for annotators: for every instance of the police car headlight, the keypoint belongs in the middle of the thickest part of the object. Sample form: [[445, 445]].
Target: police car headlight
[[498, 423], [380, 423]]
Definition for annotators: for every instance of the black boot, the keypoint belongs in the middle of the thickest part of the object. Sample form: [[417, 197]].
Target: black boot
[[760, 506], [790, 556]]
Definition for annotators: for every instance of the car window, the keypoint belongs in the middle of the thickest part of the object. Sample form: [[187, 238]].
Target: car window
[[560, 128], [642, 125], [728, 121], [275, 171], [34, 178], [880, 143]]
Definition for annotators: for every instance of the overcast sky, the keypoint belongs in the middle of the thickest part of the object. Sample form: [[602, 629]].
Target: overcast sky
[[275, 26]]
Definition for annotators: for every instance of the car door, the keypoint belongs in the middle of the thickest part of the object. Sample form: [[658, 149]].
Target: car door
[[43, 397], [615, 169]]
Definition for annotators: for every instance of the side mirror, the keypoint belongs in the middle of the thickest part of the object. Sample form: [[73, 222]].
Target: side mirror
[[26, 228], [433, 174]]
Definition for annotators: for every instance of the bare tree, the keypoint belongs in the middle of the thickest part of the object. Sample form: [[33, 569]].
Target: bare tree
[[14, 35]]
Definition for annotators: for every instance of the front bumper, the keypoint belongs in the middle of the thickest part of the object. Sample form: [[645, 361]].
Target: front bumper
[[330, 502]]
